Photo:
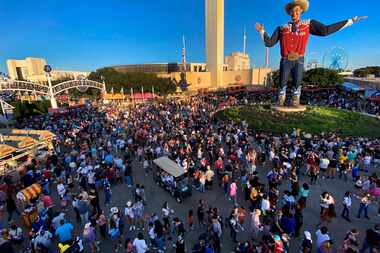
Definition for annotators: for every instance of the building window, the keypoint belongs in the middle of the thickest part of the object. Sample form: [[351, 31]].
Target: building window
[[19, 73]]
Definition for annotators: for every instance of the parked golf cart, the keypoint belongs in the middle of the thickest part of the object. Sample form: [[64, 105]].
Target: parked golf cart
[[171, 177]]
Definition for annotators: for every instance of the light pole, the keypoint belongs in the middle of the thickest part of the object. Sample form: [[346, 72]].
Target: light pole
[[104, 84], [53, 101]]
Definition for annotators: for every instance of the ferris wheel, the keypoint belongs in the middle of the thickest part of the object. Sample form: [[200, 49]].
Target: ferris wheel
[[336, 58]]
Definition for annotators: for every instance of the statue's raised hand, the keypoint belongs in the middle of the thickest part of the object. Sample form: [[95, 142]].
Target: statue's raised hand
[[259, 27], [356, 18]]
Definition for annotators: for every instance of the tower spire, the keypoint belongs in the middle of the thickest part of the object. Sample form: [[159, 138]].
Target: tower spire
[[244, 42]]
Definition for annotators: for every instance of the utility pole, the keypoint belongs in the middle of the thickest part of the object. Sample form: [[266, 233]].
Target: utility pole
[[53, 101]]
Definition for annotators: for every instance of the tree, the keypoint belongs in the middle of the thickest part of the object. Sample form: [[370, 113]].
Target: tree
[[118, 80], [25, 109], [319, 76], [364, 72], [322, 77]]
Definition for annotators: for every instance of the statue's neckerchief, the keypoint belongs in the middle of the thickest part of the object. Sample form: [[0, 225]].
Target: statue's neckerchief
[[294, 26]]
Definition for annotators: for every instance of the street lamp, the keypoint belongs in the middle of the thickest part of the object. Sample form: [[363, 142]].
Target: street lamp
[[104, 84], [53, 101]]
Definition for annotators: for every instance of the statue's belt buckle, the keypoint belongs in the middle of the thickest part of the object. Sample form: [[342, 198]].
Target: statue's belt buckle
[[293, 56]]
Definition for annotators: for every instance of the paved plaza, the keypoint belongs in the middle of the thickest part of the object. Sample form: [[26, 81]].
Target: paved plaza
[[156, 196]]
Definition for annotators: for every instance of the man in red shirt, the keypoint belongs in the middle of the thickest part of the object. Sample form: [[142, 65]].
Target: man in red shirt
[[293, 38]]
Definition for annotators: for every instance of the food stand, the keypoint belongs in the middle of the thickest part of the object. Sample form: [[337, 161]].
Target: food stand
[[21, 145]]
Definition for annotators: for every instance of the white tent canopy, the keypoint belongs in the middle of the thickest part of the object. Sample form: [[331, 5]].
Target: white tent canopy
[[169, 166]]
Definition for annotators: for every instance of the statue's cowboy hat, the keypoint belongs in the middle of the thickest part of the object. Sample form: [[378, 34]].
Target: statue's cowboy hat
[[304, 4]]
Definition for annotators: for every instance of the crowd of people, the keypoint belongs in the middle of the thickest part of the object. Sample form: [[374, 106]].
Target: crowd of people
[[332, 96], [266, 179]]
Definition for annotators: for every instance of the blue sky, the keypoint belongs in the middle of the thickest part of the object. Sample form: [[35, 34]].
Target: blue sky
[[85, 35]]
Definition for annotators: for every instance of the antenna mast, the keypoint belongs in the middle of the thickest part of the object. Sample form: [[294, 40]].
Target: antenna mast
[[244, 42], [183, 54]]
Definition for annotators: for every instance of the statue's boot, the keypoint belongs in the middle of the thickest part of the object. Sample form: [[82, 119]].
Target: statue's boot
[[281, 100], [296, 101]]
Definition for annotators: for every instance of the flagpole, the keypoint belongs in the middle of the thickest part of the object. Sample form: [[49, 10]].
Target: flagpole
[[133, 97], [142, 93], [153, 91], [122, 94]]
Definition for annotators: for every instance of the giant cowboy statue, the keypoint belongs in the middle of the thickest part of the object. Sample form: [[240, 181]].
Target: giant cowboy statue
[[293, 38]]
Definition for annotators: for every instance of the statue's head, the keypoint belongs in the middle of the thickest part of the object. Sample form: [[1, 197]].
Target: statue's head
[[296, 8]]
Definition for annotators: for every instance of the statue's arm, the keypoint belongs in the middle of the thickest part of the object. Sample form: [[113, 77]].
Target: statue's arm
[[319, 29], [270, 41]]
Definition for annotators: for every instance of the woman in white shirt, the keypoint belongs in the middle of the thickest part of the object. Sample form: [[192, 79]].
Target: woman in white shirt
[[347, 203], [265, 205], [139, 244], [128, 212], [165, 216], [324, 204]]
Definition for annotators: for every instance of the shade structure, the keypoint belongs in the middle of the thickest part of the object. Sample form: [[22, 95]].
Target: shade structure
[[29, 193], [169, 166]]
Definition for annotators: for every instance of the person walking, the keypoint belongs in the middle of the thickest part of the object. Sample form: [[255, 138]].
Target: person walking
[[83, 209], [365, 201], [323, 240], [304, 194], [307, 243], [201, 212], [90, 238], [233, 192], [351, 242], [233, 224], [372, 239], [102, 223], [347, 203], [64, 233], [130, 215], [114, 234], [190, 220], [299, 220], [256, 223], [324, 204], [140, 244], [11, 207]]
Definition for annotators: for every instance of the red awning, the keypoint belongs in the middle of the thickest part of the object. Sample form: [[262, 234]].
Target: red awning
[[375, 99], [145, 95]]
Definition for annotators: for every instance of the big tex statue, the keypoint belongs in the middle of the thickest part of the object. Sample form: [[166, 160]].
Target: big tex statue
[[293, 38]]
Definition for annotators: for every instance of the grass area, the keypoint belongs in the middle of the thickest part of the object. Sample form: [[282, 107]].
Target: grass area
[[315, 120]]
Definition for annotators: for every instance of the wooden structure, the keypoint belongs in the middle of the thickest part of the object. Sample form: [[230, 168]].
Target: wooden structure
[[17, 145]]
